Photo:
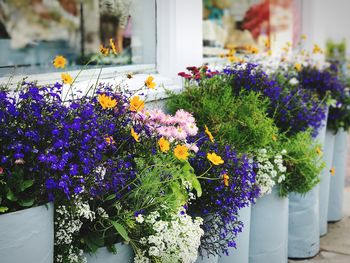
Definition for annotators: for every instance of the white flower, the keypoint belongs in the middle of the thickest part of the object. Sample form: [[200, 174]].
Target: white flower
[[293, 81], [139, 218]]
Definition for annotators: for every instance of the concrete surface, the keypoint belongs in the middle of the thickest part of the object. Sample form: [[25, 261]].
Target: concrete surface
[[335, 246]]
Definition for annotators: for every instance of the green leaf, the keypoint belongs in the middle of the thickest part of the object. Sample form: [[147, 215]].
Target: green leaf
[[26, 202], [196, 185], [26, 184], [121, 230], [3, 209], [110, 197], [10, 196], [94, 241]]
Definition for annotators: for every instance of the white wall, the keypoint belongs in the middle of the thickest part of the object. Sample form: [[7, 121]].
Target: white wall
[[326, 19]]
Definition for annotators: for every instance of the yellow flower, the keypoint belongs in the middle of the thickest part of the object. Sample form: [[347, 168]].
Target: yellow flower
[[135, 135], [106, 102], [114, 49], [66, 78], [319, 151], [303, 37], [267, 43], [297, 67], [332, 171], [207, 132], [288, 44], [59, 62], [136, 104], [164, 145], [104, 50], [316, 49], [252, 49], [214, 158], [226, 178], [269, 52], [150, 83], [109, 140], [181, 152], [274, 137]]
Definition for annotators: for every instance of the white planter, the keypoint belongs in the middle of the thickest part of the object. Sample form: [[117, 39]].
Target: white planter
[[207, 259], [269, 229], [303, 225], [125, 254], [241, 254], [325, 181], [27, 235], [335, 207]]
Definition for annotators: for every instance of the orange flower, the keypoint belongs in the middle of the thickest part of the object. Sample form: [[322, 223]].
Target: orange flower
[[215, 159], [164, 145], [59, 62], [66, 78], [181, 152], [332, 171], [114, 49], [136, 104], [226, 178], [150, 83], [106, 102], [109, 140], [211, 138], [319, 151], [104, 50]]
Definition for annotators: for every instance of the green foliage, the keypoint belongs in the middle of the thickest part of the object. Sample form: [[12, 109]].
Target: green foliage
[[303, 161], [15, 191], [240, 121]]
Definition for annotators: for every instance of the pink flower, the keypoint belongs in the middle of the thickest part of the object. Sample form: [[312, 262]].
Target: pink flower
[[165, 131], [191, 129], [192, 147], [179, 133], [184, 117]]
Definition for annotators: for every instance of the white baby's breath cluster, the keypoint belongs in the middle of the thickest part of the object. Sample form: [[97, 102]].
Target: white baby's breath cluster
[[171, 241], [68, 222], [270, 171]]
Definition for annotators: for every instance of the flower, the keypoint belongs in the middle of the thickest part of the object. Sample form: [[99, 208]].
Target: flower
[[316, 49], [150, 83], [303, 37], [332, 171], [1, 170], [139, 218], [319, 151], [207, 132], [215, 159], [297, 67], [164, 144], [135, 135], [274, 137], [104, 50], [181, 152], [59, 62], [20, 161], [226, 178], [109, 140], [136, 104], [106, 101], [66, 78], [111, 43]]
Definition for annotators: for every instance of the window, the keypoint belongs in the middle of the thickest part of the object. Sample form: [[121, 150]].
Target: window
[[240, 24], [33, 32]]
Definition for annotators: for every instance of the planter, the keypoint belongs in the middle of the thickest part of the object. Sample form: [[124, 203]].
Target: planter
[[27, 235], [269, 229], [241, 253], [207, 259], [325, 181], [303, 225], [125, 254], [335, 207]]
